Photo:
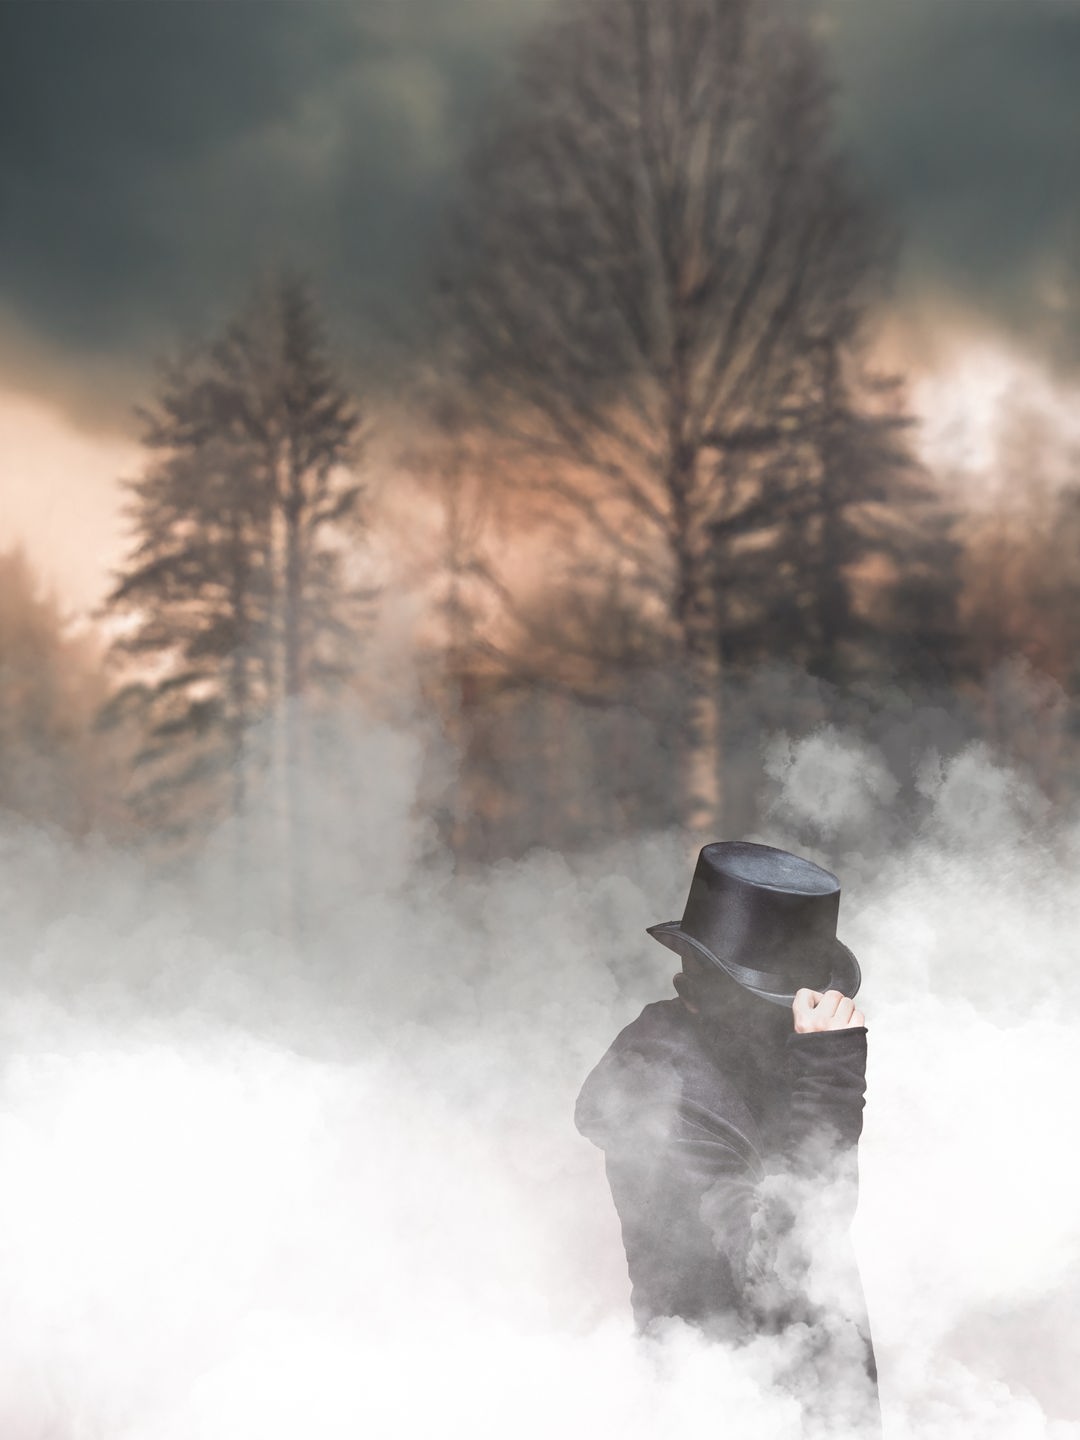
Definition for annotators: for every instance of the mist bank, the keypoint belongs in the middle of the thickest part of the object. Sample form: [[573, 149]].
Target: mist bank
[[257, 1181]]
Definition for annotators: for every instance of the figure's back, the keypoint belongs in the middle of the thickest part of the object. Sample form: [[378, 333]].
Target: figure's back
[[674, 1116]]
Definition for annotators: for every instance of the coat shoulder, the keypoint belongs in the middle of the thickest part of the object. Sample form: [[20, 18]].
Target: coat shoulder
[[655, 1065]]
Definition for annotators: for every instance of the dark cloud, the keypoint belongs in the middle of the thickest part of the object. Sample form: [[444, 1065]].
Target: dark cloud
[[152, 154], [965, 116]]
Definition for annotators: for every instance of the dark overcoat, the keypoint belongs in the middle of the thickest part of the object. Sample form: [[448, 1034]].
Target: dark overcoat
[[718, 1146]]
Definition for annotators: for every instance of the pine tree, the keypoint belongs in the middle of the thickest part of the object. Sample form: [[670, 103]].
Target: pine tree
[[239, 594], [54, 768], [845, 561], [195, 593]]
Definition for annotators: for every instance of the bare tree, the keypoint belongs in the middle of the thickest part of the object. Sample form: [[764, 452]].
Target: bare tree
[[515, 665], [449, 557], [654, 231]]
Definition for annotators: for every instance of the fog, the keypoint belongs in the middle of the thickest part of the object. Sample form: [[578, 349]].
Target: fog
[[331, 1185]]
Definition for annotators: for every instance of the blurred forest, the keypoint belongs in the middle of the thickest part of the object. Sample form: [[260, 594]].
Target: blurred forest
[[647, 500]]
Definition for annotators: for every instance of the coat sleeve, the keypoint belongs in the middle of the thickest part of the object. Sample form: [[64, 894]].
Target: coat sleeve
[[800, 1266], [767, 1212], [828, 1091]]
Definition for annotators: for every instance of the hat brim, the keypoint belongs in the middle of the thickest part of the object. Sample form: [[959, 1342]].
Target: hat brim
[[845, 974]]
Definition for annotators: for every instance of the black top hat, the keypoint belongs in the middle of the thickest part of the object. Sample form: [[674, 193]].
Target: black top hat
[[767, 918]]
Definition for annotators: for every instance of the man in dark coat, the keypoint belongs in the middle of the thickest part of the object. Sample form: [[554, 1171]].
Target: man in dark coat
[[730, 1118]]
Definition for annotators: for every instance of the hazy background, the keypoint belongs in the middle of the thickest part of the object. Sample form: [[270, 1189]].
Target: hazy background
[[334, 133], [457, 459]]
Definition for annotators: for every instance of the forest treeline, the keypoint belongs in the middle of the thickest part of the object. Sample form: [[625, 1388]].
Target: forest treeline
[[649, 496]]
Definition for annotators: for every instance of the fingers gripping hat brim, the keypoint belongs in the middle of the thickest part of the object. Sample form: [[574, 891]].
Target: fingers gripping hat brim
[[844, 972]]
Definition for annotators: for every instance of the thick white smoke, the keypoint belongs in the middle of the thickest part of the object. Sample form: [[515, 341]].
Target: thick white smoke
[[333, 1188]]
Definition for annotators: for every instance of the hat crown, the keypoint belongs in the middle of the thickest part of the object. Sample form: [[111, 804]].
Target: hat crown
[[760, 906], [766, 865]]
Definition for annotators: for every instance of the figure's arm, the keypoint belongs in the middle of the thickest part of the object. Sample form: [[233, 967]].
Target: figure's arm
[[767, 1216], [827, 1055], [800, 1268], [828, 1069], [808, 1200]]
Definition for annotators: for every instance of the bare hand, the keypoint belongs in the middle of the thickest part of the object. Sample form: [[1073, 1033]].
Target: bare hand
[[831, 1011]]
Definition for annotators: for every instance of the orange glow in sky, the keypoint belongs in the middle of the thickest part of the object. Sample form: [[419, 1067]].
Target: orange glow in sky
[[62, 499]]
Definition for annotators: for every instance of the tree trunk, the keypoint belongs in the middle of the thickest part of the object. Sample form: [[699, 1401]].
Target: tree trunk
[[277, 698], [239, 702], [294, 677], [833, 610], [702, 782], [695, 610], [239, 705]]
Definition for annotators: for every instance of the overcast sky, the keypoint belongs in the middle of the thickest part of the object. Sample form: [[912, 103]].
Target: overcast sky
[[153, 150]]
